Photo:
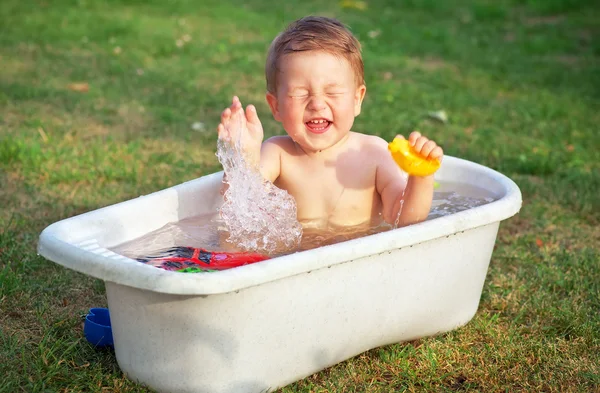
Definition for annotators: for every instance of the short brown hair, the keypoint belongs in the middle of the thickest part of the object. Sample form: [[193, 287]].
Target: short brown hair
[[314, 33]]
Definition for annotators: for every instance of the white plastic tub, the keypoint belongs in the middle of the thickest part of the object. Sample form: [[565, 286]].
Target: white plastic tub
[[259, 327]]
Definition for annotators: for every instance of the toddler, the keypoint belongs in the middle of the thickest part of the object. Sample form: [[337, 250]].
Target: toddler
[[315, 89]]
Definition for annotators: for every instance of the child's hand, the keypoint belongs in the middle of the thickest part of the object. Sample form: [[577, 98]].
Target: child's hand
[[424, 146], [244, 127]]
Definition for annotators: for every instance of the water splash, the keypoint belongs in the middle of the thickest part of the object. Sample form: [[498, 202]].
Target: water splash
[[258, 215]]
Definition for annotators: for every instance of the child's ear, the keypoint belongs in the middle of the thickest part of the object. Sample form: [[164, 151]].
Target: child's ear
[[358, 99], [272, 101]]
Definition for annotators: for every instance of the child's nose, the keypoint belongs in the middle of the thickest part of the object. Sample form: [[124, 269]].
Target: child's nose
[[316, 102]]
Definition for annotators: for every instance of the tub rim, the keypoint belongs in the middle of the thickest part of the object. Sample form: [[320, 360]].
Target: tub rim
[[129, 272]]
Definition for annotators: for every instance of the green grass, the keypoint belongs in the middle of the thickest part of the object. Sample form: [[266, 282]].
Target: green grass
[[519, 79]]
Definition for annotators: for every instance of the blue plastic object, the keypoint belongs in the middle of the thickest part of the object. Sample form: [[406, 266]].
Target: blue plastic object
[[97, 328]]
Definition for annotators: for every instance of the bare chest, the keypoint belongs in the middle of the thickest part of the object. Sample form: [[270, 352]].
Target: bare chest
[[341, 193]]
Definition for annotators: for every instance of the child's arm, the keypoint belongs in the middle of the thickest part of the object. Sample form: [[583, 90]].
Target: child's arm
[[270, 160], [411, 198]]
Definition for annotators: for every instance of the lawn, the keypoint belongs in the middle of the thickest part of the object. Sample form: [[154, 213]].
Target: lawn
[[103, 101]]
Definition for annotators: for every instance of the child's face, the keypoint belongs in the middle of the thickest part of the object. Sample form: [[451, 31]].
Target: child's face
[[317, 99]]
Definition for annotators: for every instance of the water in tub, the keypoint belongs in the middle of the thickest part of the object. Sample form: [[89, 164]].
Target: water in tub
[[209, 231], [257, 229], [258, 220]]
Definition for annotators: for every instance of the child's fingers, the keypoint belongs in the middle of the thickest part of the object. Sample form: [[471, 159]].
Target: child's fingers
[[413, 137], [399, 137], [419, 143], [235, 105], [222, 132], [252, 115], [428, 148], [225, 116], [436, 153]]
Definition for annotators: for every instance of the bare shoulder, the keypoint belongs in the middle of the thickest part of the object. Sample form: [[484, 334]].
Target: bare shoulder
[[280, 140], [377, 148], [367, 140], [281, 143], [272, 152], [371, 144]]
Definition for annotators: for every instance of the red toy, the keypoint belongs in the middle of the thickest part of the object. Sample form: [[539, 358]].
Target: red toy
[[194, 260]]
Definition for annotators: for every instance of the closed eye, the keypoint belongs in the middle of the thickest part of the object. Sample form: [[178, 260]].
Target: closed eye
[[298, 93]]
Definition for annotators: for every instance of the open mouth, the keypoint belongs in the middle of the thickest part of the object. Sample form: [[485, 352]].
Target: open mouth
[[318, 126]]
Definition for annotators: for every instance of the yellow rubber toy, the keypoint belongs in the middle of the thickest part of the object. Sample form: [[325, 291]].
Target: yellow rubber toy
[[410, 161]]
